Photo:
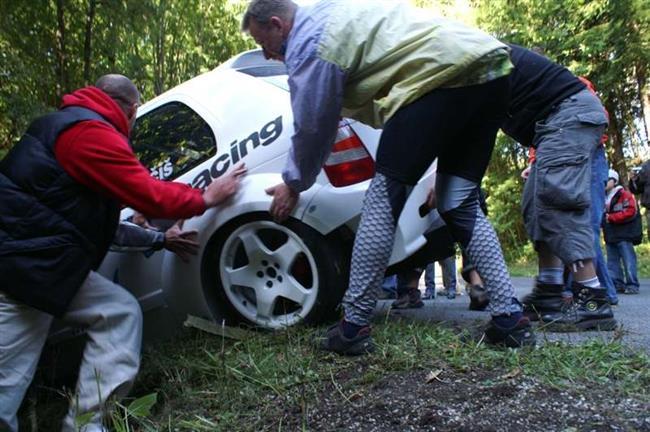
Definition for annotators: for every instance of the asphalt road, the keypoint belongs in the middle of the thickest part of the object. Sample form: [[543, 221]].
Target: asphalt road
[[632, 313]]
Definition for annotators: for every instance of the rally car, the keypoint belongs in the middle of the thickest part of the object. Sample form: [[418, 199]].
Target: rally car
[[249, 268]]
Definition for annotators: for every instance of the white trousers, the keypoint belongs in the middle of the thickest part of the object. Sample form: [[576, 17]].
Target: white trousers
[[113, 322]]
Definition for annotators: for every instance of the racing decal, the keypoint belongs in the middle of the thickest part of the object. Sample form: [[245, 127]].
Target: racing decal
[[164, 170], [238, 151]]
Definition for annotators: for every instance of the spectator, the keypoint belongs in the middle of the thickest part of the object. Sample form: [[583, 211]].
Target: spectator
[[622, 228], [640, 185], [388, 289], [448, 267], [61, 189]]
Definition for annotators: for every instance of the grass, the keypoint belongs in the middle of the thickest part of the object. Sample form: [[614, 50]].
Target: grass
[[205, 383]]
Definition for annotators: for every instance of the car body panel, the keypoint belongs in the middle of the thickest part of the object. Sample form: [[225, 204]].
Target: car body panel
[[251, 120]]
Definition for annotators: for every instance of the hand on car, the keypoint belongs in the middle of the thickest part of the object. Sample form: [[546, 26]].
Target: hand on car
[[182, 243], [141, 220], [431, 199], [225, 186], [284, 201]]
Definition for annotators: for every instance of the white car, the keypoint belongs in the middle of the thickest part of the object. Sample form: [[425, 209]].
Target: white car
[[250, 269]]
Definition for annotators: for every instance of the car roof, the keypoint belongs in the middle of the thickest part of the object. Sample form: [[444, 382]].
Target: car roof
[[250, 65]]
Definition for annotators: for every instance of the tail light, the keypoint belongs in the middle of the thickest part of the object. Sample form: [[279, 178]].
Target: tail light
[[349, 162]]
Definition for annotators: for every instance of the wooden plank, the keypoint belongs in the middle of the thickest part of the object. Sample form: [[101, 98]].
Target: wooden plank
[[219, 330]]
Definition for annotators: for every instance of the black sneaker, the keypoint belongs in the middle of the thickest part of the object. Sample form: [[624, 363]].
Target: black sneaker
[[590, 310], [409, 300], [545, 299], [478, 298], [629, 290], [335, 341], [518, 336]]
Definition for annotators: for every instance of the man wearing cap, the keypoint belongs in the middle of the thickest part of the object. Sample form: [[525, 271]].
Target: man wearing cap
[[622, 229]]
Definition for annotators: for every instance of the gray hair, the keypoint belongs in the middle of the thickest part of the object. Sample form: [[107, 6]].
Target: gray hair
[[262, 11], [119, 88]]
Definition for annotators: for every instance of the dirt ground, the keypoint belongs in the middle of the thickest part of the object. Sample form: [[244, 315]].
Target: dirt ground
[[475, 401]]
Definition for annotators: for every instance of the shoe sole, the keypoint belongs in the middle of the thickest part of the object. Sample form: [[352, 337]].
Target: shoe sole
[[408, 306], [608, 324], [513, 342], [365, 348]]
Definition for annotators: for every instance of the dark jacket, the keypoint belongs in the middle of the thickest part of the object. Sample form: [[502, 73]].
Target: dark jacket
[[622, 219], [53, 231], [640, 184], [537, 85]]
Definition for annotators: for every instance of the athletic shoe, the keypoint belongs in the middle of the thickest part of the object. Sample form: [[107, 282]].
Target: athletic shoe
[[478, 298], [590, 310], [409, 300], [545, 299], [335, 341], [518, 336]]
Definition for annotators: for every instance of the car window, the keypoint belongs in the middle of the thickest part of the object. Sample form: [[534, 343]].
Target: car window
[[171, 140]]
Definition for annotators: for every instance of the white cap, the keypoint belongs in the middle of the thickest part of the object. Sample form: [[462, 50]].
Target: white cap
[[613, 175]]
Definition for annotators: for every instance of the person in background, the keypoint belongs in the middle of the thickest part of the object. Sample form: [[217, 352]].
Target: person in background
[[448, 267], [622, 229], [640, 185]]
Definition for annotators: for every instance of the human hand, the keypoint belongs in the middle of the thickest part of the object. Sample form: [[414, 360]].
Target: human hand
[[284, 201], [526, 173], [224, 187], [432, 202], [142, 221], [182, 243]]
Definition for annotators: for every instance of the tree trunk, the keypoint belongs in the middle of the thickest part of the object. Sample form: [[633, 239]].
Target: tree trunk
[[90, 16], [615, 143], [159, 50], [644, 101], [62, 75]]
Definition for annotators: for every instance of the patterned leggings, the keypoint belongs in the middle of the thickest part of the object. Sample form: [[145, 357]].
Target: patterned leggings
[[458, 206]]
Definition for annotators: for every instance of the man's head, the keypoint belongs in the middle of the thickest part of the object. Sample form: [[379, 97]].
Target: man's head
[[612, 180], [269, 23], [123, 92]]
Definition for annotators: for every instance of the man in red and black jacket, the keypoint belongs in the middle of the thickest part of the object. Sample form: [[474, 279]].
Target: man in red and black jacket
[[61, 190], [622, 229]]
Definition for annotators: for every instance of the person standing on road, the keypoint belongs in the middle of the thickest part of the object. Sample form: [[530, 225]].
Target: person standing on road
[[61, 189], [640, 185], [622, 229], [553, 111], [438, 89]]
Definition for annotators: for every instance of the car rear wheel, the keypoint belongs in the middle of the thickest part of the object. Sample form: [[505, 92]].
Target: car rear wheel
[[275, 275]]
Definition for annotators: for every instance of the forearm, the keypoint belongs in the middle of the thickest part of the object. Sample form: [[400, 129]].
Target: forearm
[[131, 237]]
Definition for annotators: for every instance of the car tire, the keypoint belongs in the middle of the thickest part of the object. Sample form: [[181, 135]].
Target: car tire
[[271, 275]]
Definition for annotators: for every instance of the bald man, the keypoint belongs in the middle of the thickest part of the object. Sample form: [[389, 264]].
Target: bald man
[[61, 190]]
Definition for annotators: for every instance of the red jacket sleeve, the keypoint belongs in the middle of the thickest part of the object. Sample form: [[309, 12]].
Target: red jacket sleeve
[[627, 213], [100, 158]]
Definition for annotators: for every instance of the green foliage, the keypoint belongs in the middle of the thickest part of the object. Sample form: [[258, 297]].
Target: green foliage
[[50, 47], [608, 41], [123, 417]]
